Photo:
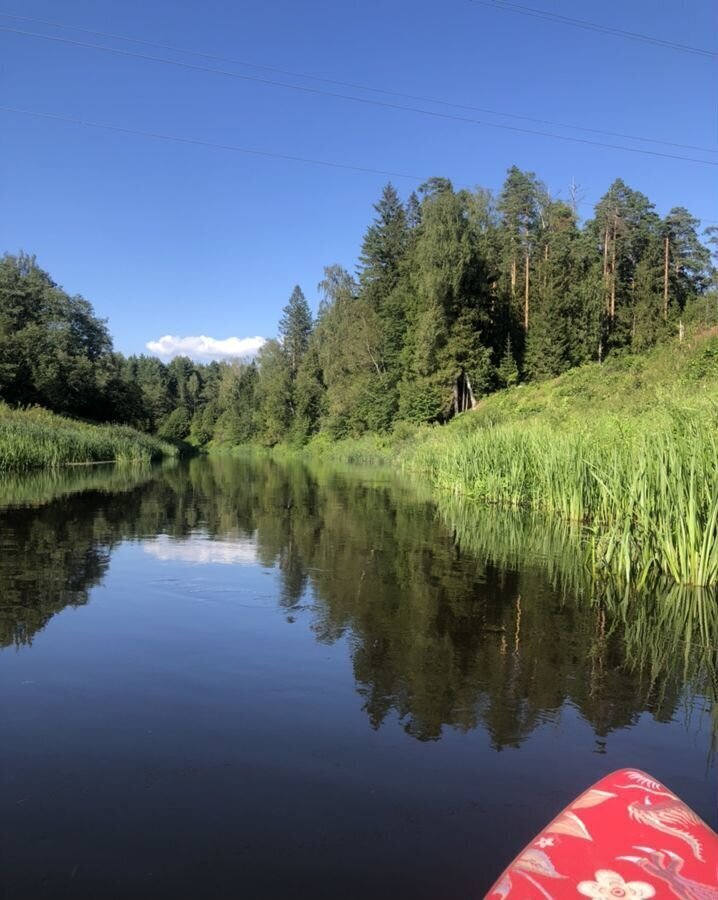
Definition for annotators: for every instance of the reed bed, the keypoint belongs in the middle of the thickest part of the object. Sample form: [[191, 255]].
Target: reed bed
[[37, 487], [647, 491], [35, 438]]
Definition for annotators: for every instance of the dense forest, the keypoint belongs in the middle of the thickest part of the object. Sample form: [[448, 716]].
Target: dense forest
[[456, 293]]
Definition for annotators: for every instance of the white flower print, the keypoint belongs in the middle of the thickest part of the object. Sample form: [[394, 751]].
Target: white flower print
[[610, 886], [544, 842]]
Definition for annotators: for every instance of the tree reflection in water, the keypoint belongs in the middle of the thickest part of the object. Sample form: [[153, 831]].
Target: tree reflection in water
[[456, 615]]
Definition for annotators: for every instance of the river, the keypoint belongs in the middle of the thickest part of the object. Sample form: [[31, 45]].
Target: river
[[240, 678]]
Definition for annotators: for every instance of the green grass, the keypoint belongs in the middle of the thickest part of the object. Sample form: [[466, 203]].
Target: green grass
[[37, 487], [35, 438], [627, 450]]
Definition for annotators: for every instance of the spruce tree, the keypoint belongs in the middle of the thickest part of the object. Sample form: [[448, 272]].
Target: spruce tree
[[686, 261], [295, 327], [384, 246], [507, 370], [551, 338]]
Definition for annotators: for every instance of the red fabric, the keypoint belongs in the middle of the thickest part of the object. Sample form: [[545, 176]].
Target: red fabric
[[626, 838]]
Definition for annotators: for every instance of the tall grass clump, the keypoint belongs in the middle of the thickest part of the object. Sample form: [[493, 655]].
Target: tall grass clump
[[35, 438], [647, 491], [627, 450]]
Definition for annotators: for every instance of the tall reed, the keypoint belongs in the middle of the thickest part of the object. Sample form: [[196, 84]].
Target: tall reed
[[647, 492], [34, 438]]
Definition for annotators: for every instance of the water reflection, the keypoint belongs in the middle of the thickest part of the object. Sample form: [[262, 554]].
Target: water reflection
[[454, 616], [200, 550]]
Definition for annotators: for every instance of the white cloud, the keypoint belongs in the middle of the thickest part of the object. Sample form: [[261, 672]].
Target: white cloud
[[201, 550], [204, 348]]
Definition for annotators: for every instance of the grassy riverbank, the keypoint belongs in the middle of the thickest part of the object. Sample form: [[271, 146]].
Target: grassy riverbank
[[628, 449], [35, 438]]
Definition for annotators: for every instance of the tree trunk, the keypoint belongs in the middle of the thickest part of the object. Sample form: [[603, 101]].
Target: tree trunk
[[666, 253], [612, 313], [545, 268], [526, 294], [513, 277], [463, 394], [605, 268]]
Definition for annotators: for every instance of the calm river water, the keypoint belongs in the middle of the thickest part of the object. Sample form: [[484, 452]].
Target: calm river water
[[240, 679]]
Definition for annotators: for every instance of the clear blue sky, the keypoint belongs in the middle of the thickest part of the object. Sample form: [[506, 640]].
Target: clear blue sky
[[165, 238]]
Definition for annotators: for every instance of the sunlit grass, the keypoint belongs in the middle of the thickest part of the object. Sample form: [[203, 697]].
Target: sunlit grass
[[628, 450], [649, 497], [35, 438]]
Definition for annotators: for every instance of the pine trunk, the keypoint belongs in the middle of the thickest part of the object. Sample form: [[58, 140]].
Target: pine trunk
[[526, 294], [666, 254], [612, 313], [605, 268]]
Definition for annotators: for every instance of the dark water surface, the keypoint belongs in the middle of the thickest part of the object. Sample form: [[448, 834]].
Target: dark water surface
[[237, 679]]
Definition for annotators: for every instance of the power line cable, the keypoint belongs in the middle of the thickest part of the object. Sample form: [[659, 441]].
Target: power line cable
[[379, 103], [198, 142], [594, 26], [234, 148], [362, 87]]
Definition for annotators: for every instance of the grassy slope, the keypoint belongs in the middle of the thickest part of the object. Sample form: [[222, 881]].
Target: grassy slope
[[36, 438], [671, 379], [628, 447]]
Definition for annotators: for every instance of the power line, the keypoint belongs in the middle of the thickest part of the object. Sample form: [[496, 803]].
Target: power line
[[234, 148], [594, 26], [362, 87], [355, 99]]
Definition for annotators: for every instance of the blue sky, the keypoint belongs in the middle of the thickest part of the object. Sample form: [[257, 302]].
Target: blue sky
[[179, 239]]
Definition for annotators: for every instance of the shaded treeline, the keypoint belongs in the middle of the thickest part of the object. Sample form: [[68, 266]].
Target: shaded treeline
[[445, 610], [456, 293]]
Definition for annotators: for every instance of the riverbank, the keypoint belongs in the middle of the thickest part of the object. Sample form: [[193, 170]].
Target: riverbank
[[628, 449], [35, 438]]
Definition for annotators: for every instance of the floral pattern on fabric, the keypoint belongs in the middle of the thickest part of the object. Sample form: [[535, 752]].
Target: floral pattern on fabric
[[610, 886], [633, 840]]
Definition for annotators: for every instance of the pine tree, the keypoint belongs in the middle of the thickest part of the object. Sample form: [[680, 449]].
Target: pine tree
[[445, 359], [413, 212], [649, 314], [624, 226], [519, 205], [551, 338], [686, 261], [507, 370], [295, 327], [384, 246]]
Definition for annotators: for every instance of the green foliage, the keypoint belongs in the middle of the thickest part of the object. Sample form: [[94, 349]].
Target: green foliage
[[384, 247], [176, 426], [273, 393], [52, 347], [34, 438], [507, 371], [295, 328], [704, 364], [430, 593], [457, 293], [640, 475]]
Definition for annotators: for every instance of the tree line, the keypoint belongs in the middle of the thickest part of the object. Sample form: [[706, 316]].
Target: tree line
[[456, 293]]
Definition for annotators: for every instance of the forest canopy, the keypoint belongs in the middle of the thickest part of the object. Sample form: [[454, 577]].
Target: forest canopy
[[456, 293]]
